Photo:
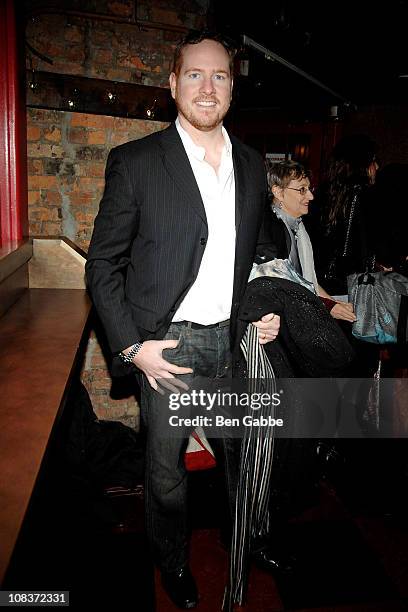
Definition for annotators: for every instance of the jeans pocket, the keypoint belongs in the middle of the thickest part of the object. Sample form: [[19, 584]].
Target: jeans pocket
[[177, 352]]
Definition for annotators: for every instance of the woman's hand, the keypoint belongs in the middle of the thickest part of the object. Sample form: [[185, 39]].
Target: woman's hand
[[343, 311]]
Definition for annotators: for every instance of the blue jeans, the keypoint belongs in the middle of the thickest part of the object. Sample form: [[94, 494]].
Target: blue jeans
[[207, 351]]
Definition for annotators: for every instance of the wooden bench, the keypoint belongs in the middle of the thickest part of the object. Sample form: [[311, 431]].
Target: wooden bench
[[43, 337]]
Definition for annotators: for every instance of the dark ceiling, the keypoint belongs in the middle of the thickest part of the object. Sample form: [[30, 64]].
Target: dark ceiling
[[355, 48]]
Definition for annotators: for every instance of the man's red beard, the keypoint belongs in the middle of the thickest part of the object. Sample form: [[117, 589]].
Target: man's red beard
[[199, 119]]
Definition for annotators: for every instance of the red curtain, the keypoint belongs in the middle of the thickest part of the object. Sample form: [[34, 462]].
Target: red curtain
[[13, 128]]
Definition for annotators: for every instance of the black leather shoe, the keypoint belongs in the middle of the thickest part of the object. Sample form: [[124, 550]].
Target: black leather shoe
[[273, 561], [180, 586]]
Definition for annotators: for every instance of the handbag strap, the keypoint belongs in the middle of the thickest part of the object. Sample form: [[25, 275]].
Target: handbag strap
[[370, 260], [352, 209]]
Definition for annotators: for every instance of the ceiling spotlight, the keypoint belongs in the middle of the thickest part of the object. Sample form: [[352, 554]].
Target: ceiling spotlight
[[151, 110], [33, 83], [110, 96], [73, 99]]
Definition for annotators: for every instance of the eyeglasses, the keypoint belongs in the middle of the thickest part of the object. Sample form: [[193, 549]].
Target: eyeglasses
[[303, 190]]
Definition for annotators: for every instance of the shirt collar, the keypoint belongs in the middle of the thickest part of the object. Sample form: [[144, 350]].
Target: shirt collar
[[195, 150]]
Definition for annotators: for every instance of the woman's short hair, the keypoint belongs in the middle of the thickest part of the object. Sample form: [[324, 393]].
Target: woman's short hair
[[280, 174]]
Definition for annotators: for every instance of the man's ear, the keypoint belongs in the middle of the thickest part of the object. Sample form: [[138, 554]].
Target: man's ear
[[173, 82]]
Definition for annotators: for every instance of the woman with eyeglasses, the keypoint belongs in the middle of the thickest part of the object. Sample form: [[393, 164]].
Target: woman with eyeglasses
[[289, 183]]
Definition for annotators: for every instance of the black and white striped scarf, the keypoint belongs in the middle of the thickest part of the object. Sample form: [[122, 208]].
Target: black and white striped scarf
[[251, 507]]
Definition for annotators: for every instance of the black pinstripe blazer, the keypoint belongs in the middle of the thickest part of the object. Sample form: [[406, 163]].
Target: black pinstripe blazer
[[151, 231]]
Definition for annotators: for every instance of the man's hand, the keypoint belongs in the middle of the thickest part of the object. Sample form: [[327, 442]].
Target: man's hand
[[343, 311], [150, 361], [268, 327]]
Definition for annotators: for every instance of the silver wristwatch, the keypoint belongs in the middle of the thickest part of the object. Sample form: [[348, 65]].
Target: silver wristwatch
[[128, 358]]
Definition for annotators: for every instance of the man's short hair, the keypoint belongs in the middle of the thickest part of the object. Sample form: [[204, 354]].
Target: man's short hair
[[196, 36]]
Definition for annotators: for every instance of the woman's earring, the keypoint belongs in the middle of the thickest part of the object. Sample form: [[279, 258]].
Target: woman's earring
[[280, 204]]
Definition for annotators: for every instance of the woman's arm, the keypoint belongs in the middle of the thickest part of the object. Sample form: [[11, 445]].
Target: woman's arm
[[338, 310]]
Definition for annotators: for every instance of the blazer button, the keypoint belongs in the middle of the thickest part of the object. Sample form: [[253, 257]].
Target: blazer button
[[203, 241]]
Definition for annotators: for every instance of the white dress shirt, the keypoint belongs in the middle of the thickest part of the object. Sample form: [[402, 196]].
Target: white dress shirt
[[209, 298]]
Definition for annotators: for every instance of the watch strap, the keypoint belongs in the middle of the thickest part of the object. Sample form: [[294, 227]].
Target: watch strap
[[128, 357]]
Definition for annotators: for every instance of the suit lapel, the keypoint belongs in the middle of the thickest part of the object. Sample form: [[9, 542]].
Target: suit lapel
[[178, 166], [241, 177]]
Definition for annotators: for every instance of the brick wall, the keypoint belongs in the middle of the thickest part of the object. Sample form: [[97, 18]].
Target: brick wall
[[110, 400], [110, 50], [66, 162]]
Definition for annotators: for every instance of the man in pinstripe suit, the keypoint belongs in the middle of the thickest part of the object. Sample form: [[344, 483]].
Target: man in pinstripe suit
[[172, 248]]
